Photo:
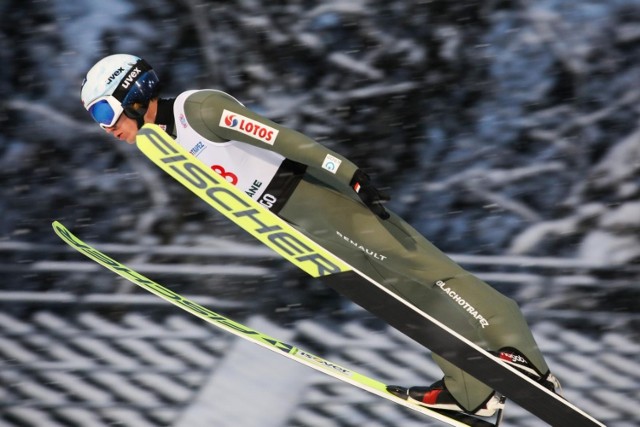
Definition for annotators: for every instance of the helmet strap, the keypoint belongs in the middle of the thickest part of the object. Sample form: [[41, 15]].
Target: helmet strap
[[140, 122], [136, 111]]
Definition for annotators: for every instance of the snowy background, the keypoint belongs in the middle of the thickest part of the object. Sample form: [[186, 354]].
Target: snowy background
[[508, 132]]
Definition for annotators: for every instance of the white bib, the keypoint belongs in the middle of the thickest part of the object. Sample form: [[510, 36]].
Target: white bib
[[249, 168]]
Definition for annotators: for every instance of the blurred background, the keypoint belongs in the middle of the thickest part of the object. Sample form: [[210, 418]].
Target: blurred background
[[507, 132]]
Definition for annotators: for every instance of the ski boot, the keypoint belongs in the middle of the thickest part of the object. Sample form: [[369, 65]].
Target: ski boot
[[436, 396]]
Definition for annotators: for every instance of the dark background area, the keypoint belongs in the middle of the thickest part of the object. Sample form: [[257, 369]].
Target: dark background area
[[499, 128]]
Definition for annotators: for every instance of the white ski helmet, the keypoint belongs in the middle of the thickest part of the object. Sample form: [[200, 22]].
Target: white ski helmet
[[119, 84]]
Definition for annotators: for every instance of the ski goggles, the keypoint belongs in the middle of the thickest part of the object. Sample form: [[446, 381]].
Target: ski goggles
[[105, 110]]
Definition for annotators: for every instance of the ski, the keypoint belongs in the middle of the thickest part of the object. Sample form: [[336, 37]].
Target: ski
[[299, 248], [287, 350]]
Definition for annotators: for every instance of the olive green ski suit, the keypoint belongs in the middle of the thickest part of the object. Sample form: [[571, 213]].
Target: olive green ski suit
[[314, 194]]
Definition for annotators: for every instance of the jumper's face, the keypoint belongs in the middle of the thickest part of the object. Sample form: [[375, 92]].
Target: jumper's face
[[125, 129]]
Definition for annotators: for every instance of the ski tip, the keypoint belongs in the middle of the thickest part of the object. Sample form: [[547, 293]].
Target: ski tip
[[57, 225]]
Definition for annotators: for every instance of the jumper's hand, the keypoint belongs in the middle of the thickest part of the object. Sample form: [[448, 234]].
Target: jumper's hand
[[370, 196]]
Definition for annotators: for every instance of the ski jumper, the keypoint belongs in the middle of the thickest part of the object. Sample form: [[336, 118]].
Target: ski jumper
[[307, 184]]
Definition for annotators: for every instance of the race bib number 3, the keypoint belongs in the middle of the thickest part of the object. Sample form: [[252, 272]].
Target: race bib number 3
[[247, 126]]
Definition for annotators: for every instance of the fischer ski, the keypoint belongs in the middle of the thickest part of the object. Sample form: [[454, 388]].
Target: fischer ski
[[287, 350], [301, 250]]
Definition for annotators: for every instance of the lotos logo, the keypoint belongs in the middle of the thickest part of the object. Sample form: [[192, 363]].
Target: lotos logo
[[247, 126], [231, 121]]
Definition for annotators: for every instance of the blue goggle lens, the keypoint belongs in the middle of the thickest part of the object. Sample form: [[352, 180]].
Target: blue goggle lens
[[102, 113]]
